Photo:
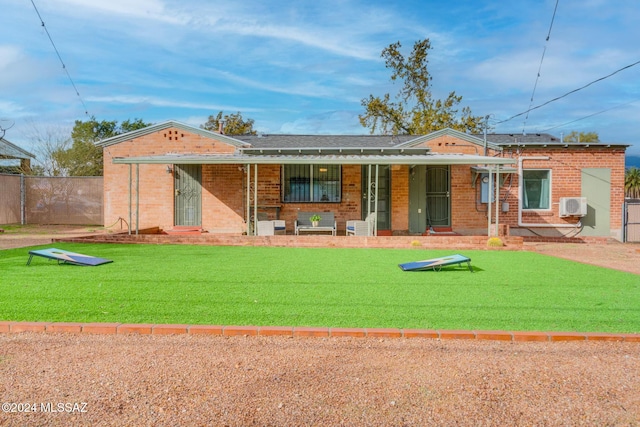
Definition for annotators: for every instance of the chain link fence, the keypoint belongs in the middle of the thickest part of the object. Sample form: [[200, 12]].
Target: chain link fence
[[51, 200]]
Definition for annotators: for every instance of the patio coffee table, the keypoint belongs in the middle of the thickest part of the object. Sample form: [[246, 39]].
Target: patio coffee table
[[316, 230]]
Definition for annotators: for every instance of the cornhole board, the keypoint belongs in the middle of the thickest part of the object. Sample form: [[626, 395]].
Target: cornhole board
[[436, 263], [66, 257]]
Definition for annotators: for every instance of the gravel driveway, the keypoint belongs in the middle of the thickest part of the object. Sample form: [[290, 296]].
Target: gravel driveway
[[238, 381]]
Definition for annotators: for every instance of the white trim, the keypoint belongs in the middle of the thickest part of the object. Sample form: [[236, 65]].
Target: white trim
[[550, 176]]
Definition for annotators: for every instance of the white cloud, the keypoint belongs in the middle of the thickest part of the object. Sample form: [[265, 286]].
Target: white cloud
[[10, 110], [159, 102], [139, 9]]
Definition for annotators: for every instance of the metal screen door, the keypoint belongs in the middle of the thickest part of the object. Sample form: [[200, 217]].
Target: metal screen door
[[384, 195], [188, 194], [438, 196]]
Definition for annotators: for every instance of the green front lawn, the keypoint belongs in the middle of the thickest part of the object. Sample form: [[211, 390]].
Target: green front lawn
[[318, 287]]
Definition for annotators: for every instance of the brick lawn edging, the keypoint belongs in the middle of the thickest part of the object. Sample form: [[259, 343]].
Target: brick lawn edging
[[301, 331]]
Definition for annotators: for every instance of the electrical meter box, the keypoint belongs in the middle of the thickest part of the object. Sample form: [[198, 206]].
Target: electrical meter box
[[484, 189]]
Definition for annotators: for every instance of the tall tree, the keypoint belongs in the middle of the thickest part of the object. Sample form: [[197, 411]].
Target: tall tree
[[47, 142], [632, 183], [84, 158], [233, 124], [415, 111], [582, 137]]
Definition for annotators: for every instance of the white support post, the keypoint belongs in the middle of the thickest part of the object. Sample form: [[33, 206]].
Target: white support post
[[255, 199], [137, 198], [498, 204], [248, 196], [489, 203], [375, 208], [130, 196], [369, 190]]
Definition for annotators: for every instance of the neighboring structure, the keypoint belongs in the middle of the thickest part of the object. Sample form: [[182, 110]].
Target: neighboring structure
[[171, 174], [9, 151]]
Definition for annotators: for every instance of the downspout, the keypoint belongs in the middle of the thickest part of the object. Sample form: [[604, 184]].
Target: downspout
[[520, 190]]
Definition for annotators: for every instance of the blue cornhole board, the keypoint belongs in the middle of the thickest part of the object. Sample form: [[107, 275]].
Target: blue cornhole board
[[436, 263], [66, 257]]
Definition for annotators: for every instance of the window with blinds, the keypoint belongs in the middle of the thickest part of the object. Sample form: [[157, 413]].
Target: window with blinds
[[311, 183]]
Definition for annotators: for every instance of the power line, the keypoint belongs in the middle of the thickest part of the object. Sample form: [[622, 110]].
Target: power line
[[590, 115], [569, 93], [535, 85], [64, 67]]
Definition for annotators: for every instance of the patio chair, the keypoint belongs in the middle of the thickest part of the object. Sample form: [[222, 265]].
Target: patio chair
[[361, 227], [266, 228], [279, 226]]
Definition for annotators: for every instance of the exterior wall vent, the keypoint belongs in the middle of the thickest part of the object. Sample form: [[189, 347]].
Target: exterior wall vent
[[573, 206]]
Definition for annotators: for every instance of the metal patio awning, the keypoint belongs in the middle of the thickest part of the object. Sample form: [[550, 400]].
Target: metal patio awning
[[253, 157], [365, 156]]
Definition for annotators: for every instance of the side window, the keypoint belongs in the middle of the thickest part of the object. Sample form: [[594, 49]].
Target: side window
[[536, 189]]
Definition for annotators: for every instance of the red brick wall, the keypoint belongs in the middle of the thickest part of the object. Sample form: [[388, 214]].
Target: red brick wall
[[222, 199], [348, 208], [566, 166], [220, 183], [400, 197], [450, 145], [469, 216]]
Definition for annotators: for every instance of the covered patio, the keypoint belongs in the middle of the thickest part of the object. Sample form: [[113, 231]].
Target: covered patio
[[252, 161]]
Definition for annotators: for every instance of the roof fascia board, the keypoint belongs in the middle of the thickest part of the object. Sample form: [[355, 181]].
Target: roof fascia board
[[171, 124], [18, 149], [337, 151], [591, 145]]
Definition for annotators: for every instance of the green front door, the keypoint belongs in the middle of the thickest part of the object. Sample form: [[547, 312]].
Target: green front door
[[384, 194], [596, 187], [188, 195]]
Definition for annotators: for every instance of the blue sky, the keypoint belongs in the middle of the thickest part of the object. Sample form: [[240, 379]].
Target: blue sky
[[304, 66]]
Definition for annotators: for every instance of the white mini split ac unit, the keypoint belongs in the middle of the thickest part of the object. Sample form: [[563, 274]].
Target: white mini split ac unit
[[573, 206]]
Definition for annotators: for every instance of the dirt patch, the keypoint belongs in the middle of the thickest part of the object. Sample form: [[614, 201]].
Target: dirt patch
[[20, 236], [237, 381], [619, 256]]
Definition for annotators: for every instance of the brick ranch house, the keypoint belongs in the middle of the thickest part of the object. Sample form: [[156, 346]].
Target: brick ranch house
[[171, 174]]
